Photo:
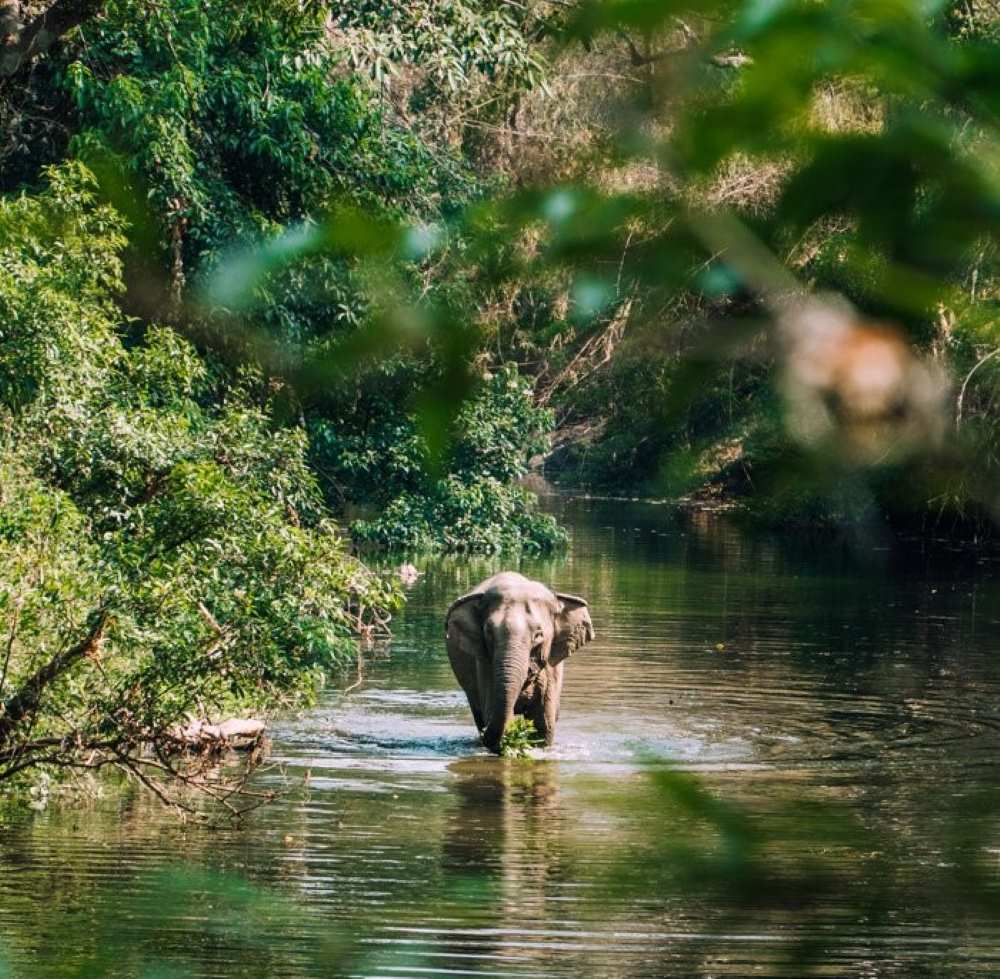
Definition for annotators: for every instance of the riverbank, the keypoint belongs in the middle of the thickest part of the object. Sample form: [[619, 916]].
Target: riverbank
[[758, 497]]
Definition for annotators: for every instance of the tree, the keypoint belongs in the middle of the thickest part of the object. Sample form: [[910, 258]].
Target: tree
[[163, 554]]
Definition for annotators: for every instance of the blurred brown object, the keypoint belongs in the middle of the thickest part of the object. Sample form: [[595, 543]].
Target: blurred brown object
[[856, 386]]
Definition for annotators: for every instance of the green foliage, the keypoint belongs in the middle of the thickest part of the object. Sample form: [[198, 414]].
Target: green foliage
[[216, 151], [473, 504], [225, 143], [72, 273], [453, 43], [130, 485], [519, 738], [246, 174], [215, 126]]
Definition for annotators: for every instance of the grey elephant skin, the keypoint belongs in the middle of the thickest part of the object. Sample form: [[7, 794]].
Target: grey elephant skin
[[508, 641]]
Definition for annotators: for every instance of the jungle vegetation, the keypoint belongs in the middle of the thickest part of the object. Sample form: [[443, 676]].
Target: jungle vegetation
[[282, 279]]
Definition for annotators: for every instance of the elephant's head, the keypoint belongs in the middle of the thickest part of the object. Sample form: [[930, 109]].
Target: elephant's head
[[517, 627]]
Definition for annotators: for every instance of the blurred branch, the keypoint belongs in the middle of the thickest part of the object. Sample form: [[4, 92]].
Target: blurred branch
[[734, 59]]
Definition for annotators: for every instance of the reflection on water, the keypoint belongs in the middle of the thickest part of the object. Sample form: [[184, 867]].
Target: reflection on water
[[780, 671]]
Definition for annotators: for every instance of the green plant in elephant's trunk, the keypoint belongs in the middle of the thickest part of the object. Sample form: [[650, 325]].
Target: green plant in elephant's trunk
[[519, 738]]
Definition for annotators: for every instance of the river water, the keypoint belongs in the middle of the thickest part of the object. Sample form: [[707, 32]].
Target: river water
[[830, 715]]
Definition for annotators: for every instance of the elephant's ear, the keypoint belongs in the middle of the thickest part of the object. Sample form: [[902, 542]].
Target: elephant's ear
[[463, 614], [573, 628]]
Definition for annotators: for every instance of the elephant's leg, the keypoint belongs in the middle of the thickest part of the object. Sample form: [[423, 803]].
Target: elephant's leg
[[476, 707], [484, 690], [550, 699], [463, 663], [536, 709]]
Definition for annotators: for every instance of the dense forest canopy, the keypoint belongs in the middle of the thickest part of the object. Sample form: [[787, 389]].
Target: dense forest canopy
[[271, 266]]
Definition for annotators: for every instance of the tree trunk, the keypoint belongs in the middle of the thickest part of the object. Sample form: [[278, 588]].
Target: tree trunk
[[23, 43]]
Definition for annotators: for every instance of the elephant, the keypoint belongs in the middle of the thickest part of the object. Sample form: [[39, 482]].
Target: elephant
[[507, 641]]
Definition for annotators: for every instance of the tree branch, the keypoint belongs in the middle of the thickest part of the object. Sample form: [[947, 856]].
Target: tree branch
[[965, 384], [733, 59], [26, 700], [36, 37]]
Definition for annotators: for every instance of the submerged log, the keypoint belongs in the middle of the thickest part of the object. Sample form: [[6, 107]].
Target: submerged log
[[236, 734]]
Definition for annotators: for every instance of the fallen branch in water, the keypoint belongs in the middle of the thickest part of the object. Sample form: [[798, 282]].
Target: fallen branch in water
[[236, 734]]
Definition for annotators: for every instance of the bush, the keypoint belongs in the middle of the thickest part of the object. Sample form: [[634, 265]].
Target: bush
[[473, 504]]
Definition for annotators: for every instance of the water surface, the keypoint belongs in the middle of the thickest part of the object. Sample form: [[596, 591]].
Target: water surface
[[781, 672]]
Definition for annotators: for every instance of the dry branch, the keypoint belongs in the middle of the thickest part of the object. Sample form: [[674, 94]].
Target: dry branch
[[593, 355], [240, 734]]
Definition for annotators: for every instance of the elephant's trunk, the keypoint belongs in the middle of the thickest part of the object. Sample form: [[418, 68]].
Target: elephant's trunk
[[510, 672]]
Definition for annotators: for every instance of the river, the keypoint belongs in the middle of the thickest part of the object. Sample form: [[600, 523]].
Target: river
[[830, 713]]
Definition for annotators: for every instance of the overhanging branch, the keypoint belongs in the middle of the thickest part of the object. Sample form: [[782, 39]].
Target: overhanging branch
[[36, 37], [24, 703]]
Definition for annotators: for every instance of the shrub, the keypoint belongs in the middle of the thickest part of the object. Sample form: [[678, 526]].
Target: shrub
[[473, 504]]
